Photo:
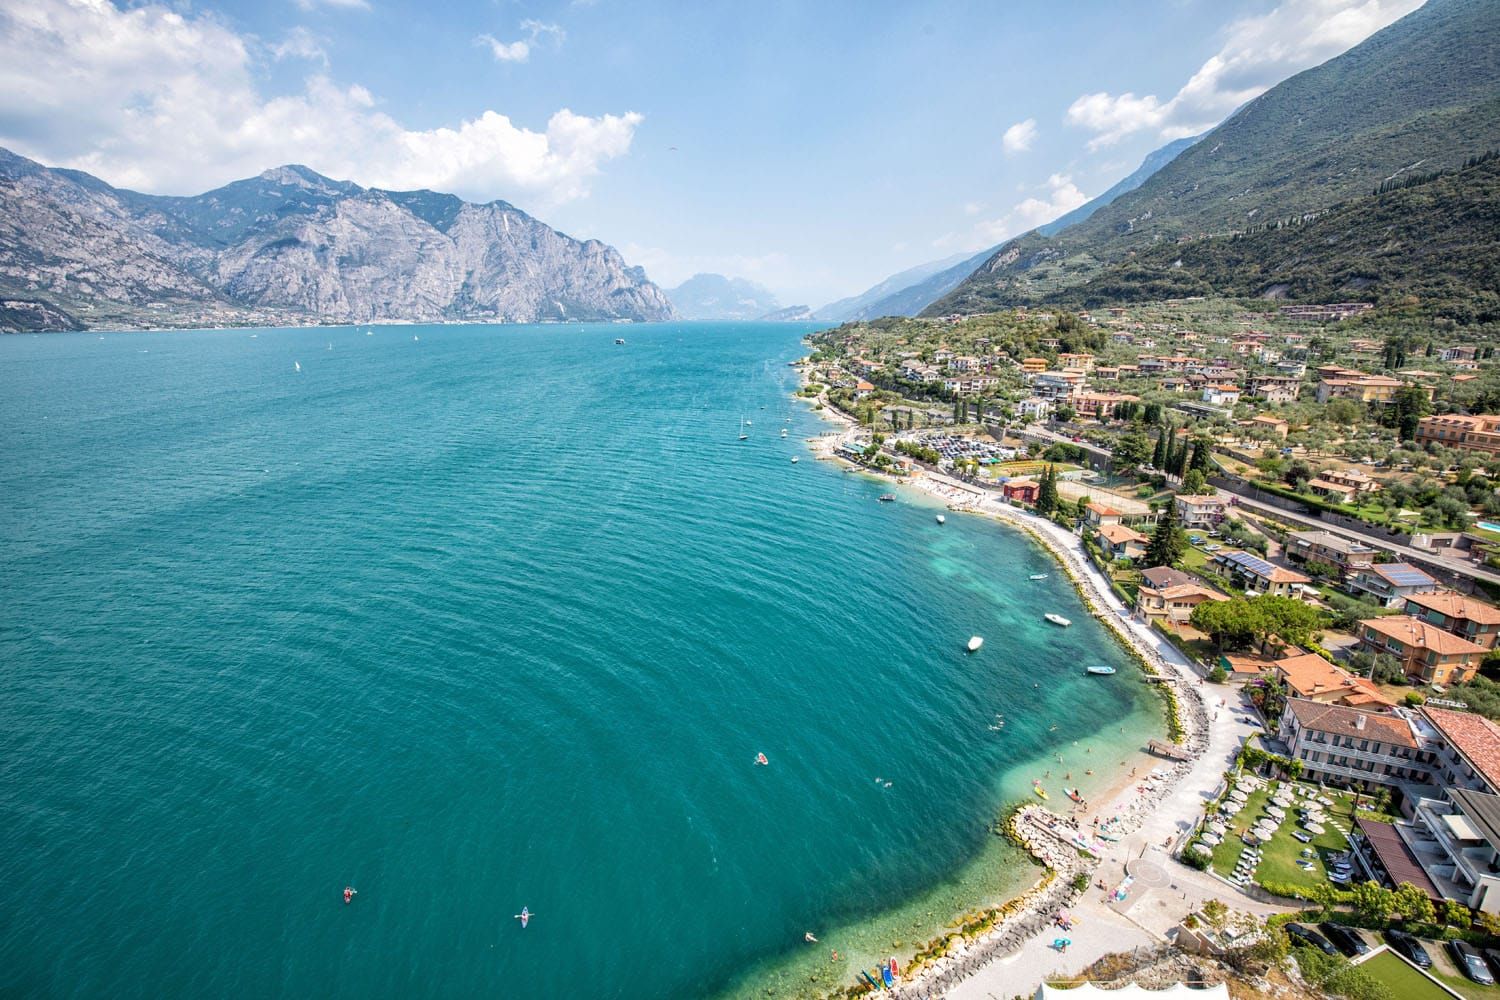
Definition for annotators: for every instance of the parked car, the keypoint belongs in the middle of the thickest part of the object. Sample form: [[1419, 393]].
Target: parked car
[[1493, 957], [1345, 939], [1409, 947], [1467, 958], [1310, 937]]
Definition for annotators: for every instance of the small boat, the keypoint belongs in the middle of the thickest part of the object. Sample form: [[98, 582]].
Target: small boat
[[524, 916], [1041, 793], [749, 423], [795, 459], [1102, 670], [887, 977], [887, 497], [415, 337], [743, 435], [297, 365], [975, 642], [783, 432], [1057, 619], [760, 759], [1039, 576], [620, 340], [1073, 794], [941, 519]]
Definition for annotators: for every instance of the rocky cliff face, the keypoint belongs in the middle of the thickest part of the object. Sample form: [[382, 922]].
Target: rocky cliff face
[[293, 246]]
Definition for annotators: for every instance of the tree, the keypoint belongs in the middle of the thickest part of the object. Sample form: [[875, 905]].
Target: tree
[[1290, 620], [1409, 407], [1231, 624], [1413, 904], [1325, 895], [1064, 413], [1201, 459], [1373, 902], [1132, 449], [1046, 498], [1193, 484], [1455, 912], [1215, 913], [1159, 455], [1168, 542]]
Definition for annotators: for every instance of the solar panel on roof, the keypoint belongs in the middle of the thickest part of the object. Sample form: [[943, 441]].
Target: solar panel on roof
[[1403, 575], [1254, 564]]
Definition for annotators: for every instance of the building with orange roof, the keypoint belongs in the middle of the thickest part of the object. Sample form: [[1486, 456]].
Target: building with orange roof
[[1470, 755], [1427, 652], [1464, 616], [1314, 678], [1119, 542]]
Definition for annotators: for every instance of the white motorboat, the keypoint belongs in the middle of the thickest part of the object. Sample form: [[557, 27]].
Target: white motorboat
[[1057, 619], [796, 459], [975, 642], [1039, 576], [941, 519]]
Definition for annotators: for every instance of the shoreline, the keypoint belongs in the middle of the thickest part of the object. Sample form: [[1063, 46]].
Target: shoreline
[[1002, 933]]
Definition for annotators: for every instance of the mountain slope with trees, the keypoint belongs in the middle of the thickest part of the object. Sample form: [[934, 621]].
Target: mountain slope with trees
[[1417, 96]]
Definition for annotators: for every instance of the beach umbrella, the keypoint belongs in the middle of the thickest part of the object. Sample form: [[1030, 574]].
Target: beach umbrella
[[1211, 838], [1314, 828], [1216, 825]]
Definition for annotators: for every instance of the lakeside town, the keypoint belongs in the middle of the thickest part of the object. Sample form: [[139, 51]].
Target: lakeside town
[[1286, 514]]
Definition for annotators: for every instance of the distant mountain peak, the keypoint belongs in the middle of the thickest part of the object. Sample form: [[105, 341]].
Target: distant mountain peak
[[713, 296]]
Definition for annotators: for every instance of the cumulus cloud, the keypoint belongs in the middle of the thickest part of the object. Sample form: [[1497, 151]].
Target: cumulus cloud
[[153, 99], [1258, 52], [1019, 137], [300, 43], [520, 50], [1059, 196]]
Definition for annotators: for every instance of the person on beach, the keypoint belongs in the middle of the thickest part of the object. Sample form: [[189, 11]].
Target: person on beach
[[349, 895]]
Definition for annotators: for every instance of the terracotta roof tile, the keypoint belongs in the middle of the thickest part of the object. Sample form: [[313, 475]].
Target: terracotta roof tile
[[1453, 605], [1344, 721], [1474, 736], [1414, 632]]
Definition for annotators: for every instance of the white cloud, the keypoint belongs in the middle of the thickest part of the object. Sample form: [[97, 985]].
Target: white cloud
[[520, 50], [973, 207], [1057, 196], [300, 43], [1258, 52], [160, 101], [1019, 137]]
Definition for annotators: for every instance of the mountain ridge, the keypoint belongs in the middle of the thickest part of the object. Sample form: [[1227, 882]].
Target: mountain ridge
[[714, 296], [292, 246]]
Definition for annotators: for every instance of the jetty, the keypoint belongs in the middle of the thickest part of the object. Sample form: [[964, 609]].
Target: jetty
[[1169, 750]]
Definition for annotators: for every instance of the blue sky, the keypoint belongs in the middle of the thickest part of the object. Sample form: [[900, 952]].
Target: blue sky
[[818, 146]]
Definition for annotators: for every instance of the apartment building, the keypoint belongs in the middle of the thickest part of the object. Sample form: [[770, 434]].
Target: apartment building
[[1479, 433], [1390, 584], [1427, 653], [1326, 547], [1359, 748], [1464, 616]]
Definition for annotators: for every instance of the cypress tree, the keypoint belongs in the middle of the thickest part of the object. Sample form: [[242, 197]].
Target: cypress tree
[[1046, 498], [1159, 455]]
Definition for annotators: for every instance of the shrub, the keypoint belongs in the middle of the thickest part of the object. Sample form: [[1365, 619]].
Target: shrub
[[1196, 858], [1081, 882], [1218, 674], [1415, 698]]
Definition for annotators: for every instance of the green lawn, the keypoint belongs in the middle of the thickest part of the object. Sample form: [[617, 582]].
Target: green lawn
[[1402, 980], [1279, 857]]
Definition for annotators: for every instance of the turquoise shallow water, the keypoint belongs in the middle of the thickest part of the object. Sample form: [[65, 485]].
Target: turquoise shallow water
[[490, 618]]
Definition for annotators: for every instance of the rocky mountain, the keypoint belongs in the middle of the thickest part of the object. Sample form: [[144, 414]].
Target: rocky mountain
[[1419, 96], [908, 293], [791, 314], [713, 296], [291, 246]]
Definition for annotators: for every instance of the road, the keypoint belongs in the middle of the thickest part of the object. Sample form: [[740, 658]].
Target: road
[[1457, 567]]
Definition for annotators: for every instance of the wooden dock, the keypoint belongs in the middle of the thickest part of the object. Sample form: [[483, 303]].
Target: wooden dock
[[1169, 750]]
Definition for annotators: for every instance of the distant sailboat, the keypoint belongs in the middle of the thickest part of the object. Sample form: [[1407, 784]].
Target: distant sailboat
[[330, 345], [743, 435], [297, 365], [415, 337]]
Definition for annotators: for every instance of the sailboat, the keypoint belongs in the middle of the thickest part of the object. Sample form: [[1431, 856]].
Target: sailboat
[[297, 365], [743, 435]]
